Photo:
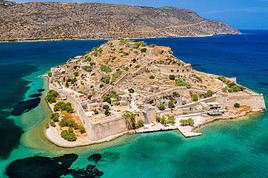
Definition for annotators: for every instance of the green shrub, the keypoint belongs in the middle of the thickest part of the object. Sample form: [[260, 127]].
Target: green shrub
[[52, 123], [209, 93], [107, 99], [68, 135], [139, 123], [237, 105], [152, 77], [49, 74], [106, 107], [171, 104], [194, 97], [130, 119], [81, 129], [162, 107], [131, 90], [106, 69], [143, 50], [231, 86], [87, 59], [106, 79], [171, 77], [171, 120], [76, 73], [176, 94], [197, 78], [181, 82], [116, 75], [87, 68], [163, 120]]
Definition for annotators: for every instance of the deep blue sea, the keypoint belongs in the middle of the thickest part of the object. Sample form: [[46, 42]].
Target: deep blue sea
[[226, 149]]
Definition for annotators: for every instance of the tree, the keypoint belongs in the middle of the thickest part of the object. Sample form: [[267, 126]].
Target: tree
[[68, 135], [49, 74], [55, 117], [51, 96], [67, 122]]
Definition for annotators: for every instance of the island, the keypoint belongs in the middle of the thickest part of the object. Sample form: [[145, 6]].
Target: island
[[127, 87]]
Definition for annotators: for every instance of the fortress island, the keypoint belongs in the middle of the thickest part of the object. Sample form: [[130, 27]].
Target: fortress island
[[127, 87]]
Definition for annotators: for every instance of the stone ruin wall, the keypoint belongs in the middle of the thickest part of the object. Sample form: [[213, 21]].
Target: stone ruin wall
[[102, 130], [255, 101]]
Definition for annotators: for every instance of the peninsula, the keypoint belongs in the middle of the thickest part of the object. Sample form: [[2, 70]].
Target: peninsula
[[126, 86], [55, 20]]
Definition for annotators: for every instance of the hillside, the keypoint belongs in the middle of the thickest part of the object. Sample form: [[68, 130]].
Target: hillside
[[38, 21]]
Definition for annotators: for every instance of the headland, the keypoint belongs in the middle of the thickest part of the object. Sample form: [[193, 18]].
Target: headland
[[126, 86]]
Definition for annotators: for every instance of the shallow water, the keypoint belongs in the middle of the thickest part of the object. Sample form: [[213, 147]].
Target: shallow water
[[226, 149]]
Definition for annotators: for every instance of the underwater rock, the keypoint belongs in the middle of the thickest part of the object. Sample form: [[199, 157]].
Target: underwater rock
[[25, 106], [90, 172], [94, 157], [41, 90], [41, 167], [46, 167], [35, 95]]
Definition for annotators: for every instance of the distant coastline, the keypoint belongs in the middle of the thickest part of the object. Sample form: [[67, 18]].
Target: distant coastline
[[81, 39]]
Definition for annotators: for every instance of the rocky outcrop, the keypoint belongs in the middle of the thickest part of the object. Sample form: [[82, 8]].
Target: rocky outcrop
[[43, 21]]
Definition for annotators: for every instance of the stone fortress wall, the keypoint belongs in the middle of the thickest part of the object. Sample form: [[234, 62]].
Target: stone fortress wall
[[254, 100], [105, 129]]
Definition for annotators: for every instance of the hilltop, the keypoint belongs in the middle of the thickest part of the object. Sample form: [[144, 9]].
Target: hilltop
[[126, 86], [51, 20]]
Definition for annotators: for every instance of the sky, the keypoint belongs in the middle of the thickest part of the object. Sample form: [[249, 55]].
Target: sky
[[241, 14]]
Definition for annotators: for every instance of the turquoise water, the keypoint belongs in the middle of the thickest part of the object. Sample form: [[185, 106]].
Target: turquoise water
[[226, 149]]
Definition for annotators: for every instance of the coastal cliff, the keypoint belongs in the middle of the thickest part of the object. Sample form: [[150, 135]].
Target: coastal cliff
[[50, 20]]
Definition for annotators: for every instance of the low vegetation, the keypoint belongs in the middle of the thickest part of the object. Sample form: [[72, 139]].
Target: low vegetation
[[106, 69], [187, 122], [208, 94], [182, 83], [166, 119], [87, 68], [231, 86]]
